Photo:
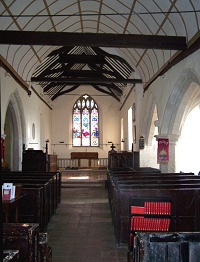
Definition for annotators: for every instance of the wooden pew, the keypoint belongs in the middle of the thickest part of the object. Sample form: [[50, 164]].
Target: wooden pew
[[134, 174], [55, 175], [163, 246], [118, 207], [41, 196], [34, 206], [142, 178], [10, 255], [32, 245], [119, 177], [129, 175], [31, 208], [46, 182], [147, 170], [22, 237], [185, 217], [44, 207], [152, 181]]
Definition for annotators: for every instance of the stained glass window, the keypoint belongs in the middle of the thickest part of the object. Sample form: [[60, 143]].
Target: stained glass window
[[85, 122]]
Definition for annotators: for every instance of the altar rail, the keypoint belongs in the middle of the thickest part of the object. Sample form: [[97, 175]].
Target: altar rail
[[64, 163]]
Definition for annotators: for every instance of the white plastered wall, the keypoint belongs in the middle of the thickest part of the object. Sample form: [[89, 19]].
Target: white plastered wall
[[27, 111], [109, 123], [172, 95]]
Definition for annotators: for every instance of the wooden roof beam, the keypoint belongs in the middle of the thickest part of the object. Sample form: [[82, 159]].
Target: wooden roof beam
[[82, 73], [85, 81], [178, 57], [93, 40], [79, 59], [106, 92]]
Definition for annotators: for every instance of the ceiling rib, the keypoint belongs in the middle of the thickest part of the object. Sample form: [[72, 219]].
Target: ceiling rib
[[178, 57]]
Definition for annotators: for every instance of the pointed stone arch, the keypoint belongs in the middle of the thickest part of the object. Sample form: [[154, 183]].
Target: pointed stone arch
[[148, 157], [16, 131], [179, 103], [151, 115]]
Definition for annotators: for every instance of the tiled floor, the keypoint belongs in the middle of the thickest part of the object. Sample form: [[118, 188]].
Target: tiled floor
[[81, 230]]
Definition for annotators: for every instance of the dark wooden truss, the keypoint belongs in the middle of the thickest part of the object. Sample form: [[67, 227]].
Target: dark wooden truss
[[93, 40], [66, 68], [81, 61]]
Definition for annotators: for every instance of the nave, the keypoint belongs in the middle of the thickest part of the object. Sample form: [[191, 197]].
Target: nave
[[82, 230]]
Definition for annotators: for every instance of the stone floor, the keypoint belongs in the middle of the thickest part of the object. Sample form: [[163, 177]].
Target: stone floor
[[81, 230]]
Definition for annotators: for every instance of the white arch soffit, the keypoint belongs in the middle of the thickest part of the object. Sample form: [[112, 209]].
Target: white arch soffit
[[180, 102], [148, 126], [17, 105]]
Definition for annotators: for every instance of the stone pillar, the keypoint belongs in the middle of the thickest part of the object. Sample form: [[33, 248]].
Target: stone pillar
[[169, 167]]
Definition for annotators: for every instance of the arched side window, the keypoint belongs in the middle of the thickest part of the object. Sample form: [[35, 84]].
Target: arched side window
[[85, 122]]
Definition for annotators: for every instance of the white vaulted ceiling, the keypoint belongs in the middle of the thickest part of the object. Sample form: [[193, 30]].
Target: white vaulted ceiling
[[141, 17]]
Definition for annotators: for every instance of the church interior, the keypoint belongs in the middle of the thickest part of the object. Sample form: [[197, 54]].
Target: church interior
[[100, 110]]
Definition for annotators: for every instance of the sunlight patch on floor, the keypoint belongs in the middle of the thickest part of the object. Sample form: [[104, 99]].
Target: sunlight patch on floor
[[78, 177]]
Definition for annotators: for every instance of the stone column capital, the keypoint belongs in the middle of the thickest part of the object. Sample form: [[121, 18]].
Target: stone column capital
[[3, 136], [172, 138]]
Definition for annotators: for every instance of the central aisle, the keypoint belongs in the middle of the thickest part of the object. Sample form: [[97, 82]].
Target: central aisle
[[81, 230]]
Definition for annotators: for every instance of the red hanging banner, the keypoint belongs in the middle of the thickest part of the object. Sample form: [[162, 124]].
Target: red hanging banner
[[163, 150]]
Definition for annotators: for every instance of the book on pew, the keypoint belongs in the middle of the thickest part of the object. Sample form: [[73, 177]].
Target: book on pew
[[140, 223], [159, 208], [6, 194], [8, 191], [152, 214], [137, 210]]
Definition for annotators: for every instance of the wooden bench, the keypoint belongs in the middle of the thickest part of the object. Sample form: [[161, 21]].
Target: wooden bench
[[187, 192], [11, 206], [164, 246], [22, 237], [148, 181], [41, 190], [34, 206], [55, 175], [184, 217], [132, 176], [154, 178], [32, 245], [142, 178], [10, 255]]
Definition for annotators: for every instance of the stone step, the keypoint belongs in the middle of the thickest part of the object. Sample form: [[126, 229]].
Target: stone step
[[82, 183], [83, 178]]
